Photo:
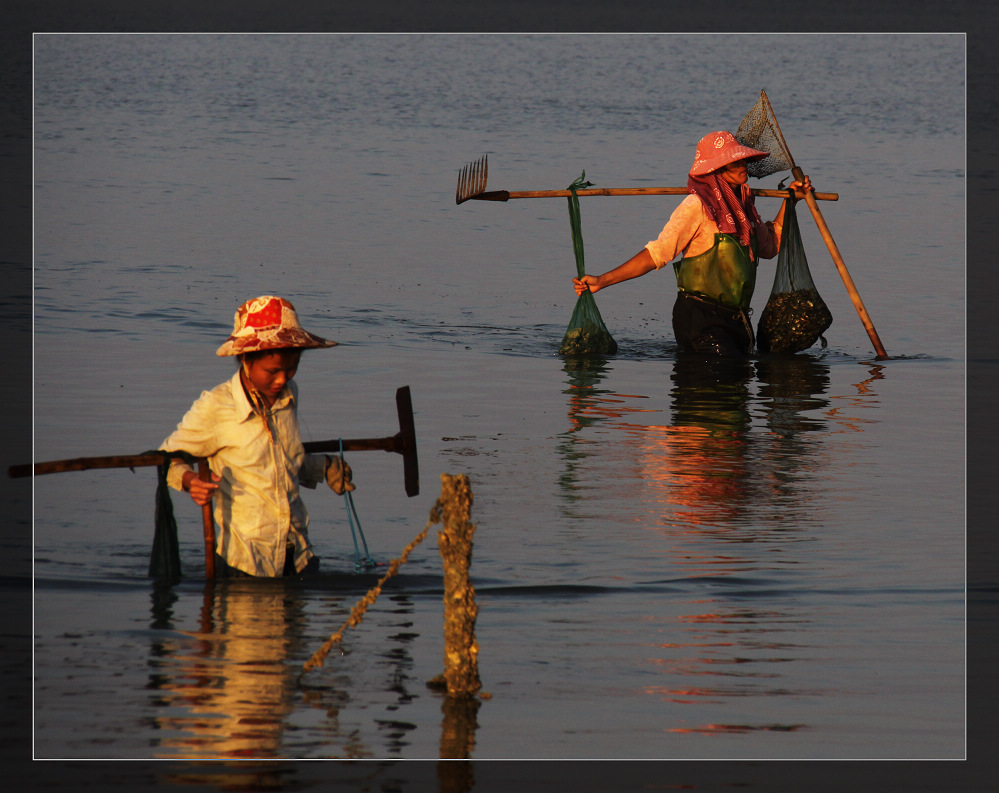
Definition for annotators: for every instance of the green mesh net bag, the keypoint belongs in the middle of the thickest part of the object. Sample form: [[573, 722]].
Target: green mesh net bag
[[586, 334], [795, 316]]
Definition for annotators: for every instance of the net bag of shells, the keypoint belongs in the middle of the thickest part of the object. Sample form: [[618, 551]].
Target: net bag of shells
[[586, 334], [795, 316]]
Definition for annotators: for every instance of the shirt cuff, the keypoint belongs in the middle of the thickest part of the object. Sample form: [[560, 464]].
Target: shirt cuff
[[175, 474], [312, 471], [651, 248]]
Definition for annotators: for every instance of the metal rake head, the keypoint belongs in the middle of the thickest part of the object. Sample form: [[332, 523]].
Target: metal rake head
[[472, 180]]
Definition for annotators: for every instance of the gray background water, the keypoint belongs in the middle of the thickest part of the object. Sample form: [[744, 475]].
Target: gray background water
[[770, 569]]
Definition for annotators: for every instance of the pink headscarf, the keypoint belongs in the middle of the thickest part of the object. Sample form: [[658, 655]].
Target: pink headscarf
[[733, 214]]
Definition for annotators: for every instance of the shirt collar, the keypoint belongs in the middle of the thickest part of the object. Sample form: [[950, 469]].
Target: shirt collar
[[245, 409]]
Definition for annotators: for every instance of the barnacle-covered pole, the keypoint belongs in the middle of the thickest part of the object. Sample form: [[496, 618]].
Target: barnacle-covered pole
[[461, 650]]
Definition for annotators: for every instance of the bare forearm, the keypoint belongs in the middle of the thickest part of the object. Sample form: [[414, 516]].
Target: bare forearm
[[638, 265]]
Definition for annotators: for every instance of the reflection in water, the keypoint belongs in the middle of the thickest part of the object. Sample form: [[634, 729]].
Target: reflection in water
[[584, 374], [793, 386], [726, 654], [589, 406], [724, 483], [228, 679], [711, 467], [792, 394], [227, 689], [846, 413], [698, 466], [458, 727]]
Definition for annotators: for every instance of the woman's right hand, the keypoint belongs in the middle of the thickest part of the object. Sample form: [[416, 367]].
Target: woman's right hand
[[201, 491], [801, 188], [587, 282]]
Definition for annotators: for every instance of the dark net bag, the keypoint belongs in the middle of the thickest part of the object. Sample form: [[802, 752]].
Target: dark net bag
[[795, 316], [586, 334]]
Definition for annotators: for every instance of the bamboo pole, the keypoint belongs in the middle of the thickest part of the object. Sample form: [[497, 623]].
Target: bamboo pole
[[506, 195], [820, 221], [858, 303], [87, 463], [393, 444]]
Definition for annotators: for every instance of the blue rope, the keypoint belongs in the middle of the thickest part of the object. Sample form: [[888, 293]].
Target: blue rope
[[360, 565]]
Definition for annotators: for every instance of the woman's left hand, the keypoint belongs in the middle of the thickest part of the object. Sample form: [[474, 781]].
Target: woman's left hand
[[339, 475]]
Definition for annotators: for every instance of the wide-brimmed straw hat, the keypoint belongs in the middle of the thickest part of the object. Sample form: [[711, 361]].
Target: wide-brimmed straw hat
[[268, 323], [717, 149]]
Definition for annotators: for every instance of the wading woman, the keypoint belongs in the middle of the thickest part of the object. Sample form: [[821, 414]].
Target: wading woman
[[248, 429], [720, 238]]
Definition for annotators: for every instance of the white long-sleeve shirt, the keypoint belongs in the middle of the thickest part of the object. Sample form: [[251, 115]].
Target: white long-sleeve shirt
[[257, 508]]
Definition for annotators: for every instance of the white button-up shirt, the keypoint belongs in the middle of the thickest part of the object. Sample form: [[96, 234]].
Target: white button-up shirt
[[257, 508]]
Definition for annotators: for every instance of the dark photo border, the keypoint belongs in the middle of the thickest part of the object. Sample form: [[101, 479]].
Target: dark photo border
[[974, 18]]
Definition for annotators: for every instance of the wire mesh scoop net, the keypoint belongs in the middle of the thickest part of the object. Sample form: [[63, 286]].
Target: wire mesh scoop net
[[760, 130]]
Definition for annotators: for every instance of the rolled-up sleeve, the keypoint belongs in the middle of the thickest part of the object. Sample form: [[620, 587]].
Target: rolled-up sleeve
[[768, 239], [313, 470], [681, 230]]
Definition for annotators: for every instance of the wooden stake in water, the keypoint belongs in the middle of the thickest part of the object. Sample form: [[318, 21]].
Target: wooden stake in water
[[461, 668]]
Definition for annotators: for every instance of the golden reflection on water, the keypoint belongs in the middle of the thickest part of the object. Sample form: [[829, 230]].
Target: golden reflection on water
[[227, 689], [232, 689]]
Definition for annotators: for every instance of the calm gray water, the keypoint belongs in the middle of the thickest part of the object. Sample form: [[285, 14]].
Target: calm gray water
[[764, 561]]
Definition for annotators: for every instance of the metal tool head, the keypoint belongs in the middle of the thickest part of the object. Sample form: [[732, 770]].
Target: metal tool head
[[403, 442], [472, 180], [407, 441]]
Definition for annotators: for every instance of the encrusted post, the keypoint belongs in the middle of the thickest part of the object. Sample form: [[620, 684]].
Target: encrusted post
[[461, 668]]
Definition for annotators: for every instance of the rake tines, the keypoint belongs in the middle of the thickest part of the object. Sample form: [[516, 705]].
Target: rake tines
[[472, 180]]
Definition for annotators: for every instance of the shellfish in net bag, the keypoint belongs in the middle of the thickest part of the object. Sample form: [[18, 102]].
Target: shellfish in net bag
[[795, 316]]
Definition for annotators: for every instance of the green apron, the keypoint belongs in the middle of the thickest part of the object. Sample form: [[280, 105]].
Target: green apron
[[725, 272]]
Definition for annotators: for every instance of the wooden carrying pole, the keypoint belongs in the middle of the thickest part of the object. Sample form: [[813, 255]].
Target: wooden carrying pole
[[506, 195], [403, 442], [473, 178], [841, 267]]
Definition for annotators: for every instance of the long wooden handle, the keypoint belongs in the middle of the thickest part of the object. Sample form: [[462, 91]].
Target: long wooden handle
[[506, 195], [86, 463], [205, 475], [841, 267], [392, 444], [403, 442]]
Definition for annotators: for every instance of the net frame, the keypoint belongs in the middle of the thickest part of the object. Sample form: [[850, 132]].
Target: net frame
[[759, 130]]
